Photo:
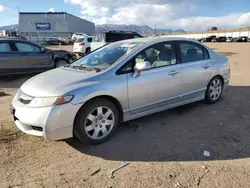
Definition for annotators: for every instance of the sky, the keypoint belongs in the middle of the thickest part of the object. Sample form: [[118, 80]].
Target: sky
[[190, 15]]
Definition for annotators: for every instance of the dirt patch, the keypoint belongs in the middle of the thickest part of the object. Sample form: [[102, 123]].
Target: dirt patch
[[228, 54], [8, 136]]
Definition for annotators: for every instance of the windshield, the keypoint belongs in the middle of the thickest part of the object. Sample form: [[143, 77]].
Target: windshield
[[104, 57]]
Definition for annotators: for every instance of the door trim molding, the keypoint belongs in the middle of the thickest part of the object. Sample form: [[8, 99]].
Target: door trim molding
[[168, 102]]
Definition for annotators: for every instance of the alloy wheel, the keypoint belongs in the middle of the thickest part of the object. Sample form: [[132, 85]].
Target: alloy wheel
[[215, 89], [99, 123]]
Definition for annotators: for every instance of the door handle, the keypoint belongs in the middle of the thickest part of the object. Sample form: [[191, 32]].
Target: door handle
[[206, 66], [173, 72]]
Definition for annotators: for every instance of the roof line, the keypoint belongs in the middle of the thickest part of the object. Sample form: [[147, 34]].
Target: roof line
[[43, 12]]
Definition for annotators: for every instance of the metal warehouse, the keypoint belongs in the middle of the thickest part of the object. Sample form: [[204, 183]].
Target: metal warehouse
[[38, 26]]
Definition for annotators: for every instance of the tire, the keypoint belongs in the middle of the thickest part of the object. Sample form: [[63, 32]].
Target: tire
[[87, 51], [61, 62], [214, 90], [96, 130]]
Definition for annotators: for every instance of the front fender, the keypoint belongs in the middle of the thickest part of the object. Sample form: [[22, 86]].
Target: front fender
[[116, 88]]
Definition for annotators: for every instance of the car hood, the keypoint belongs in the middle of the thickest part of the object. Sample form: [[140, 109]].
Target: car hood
[[58, 82]]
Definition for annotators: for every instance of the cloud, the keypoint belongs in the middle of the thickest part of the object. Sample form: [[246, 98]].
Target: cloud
[[51, 10], [2, 9], [173, 14]]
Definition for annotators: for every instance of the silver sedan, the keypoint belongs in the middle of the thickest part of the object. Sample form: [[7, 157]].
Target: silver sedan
[[117, 83]]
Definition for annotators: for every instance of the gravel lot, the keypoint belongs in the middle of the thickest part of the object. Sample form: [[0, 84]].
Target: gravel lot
[[164, 149]]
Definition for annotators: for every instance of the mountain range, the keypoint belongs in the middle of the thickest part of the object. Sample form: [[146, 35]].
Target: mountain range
[[143, 30]]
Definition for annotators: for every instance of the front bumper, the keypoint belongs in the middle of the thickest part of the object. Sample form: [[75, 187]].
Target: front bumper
[[52, 123]]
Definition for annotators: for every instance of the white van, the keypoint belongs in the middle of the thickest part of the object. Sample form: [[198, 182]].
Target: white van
[[106, 37]]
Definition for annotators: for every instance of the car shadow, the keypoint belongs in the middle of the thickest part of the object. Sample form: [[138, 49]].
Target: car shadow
[[183, 134]]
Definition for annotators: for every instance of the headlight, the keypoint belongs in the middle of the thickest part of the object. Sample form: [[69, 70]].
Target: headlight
[[50, 101]]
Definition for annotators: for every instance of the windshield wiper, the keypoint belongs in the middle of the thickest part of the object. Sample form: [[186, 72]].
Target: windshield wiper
[[88, 67]]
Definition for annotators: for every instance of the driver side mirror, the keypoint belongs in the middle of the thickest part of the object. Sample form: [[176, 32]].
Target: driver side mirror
[[141, 66], [43, 50]]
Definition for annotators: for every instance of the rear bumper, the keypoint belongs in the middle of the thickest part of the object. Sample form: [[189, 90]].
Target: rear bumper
[[79, 50]]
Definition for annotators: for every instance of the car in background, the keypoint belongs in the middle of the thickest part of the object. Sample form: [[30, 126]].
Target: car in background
[[117, 83], [82, 45], [56, 41], [210, 38], [222, 39], [201, 39], [106, 37], [229, 39], [76, 36], [22, 56], [240, 39], [69, 41]]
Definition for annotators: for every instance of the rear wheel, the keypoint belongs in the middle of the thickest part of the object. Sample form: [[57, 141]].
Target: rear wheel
[[87, 51], [96, 121], [214, 90]]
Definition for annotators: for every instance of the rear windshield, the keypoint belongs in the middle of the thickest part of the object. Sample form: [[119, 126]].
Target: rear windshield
[[79, 40]]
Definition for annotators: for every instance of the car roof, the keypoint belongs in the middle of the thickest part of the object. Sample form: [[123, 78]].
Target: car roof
[[159, 39]]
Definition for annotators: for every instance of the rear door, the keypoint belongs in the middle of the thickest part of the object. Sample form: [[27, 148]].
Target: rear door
[[31, 57], [196, 68]]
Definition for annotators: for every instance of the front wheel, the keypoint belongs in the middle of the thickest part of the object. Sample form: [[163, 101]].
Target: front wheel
[[61, 63], [214, 90], [96, 121]]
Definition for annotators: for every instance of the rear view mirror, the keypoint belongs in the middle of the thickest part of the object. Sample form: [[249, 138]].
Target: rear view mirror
[[141, 66]]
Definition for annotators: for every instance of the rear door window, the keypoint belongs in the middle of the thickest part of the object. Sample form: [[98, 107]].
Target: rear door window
[[5, 47], [190, 52]]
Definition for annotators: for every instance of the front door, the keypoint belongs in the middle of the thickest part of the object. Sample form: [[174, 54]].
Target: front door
[[158, 86], [196, 67]]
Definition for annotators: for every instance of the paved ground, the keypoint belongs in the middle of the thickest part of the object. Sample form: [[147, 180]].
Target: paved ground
[[164, 150]]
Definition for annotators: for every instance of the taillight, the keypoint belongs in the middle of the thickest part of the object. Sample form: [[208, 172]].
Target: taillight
[[81, 44]]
